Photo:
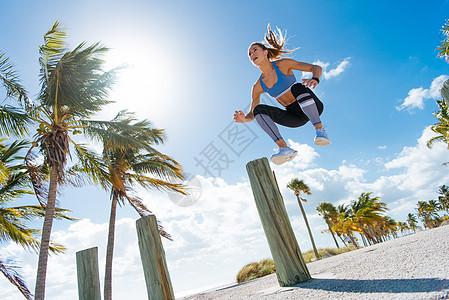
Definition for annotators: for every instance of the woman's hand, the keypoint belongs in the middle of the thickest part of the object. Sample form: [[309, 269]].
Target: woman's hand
[[310, 83], [240, 117]]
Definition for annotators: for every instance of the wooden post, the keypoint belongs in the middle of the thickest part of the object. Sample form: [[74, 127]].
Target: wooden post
[[291, 268], [88, 275], [152, 253]]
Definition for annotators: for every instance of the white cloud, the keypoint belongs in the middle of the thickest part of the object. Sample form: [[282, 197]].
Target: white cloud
[[342, 66], [416, 97], [222, 232]]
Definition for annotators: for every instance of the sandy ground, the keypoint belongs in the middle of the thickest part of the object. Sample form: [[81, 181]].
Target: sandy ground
[[411, 267]]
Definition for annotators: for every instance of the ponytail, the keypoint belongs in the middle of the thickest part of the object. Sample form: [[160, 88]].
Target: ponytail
[[276, 44]]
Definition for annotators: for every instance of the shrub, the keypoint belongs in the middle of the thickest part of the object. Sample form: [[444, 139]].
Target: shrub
[[255, 270], [266, 266], [326, 252]]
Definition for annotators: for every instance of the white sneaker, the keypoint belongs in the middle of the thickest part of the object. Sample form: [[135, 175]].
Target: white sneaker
[[321, 138], [283, 155]]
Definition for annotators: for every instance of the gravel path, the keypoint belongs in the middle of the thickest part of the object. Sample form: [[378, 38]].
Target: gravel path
[[411, 267]]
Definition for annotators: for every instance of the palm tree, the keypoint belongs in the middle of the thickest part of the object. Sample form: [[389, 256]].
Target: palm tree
[[412, 222], [444, 197], [441, 128], [74, 87], [329, 213], [402, 226], [444, 47], [390, 227], [366, 212], [344, 225], [120, 169], [435, 207], [444, 53], [14, 183], [342, 214], [427, 213], [298, 186]]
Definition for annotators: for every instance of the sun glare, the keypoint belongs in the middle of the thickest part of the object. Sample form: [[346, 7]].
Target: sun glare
[[144, 84]]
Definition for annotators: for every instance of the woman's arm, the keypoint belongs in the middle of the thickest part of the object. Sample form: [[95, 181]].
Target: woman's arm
[[291, 64], [239, 116]]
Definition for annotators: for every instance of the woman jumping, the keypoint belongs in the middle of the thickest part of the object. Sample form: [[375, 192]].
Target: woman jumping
[[277, 79]]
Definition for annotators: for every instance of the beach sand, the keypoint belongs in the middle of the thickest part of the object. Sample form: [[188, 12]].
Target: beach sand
[[415, 266]]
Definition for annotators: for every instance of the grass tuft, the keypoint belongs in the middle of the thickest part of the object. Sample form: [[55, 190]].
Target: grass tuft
[[266, 266], [325, 252], [255, 270]]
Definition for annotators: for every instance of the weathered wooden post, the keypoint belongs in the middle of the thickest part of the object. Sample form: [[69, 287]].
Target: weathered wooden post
[[88, 275], [291, 268], [152, 253]]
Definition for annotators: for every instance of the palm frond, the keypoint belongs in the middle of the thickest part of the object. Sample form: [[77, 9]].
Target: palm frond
[[155, 165], [78, 82], [144, 211], [90, 164], [30, 212], [155, 183], [38, 173], [13, 276], [444, 47], [114, 140], [12, 229], [13, 121], [140, 134], [51, 51], [10, 80], [10, 153]]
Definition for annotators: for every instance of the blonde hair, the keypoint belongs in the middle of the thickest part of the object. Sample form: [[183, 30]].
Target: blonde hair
[[275, 43]]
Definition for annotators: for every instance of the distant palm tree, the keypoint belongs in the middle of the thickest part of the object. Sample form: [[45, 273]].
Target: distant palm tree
[[345, 225], [366, 212], [74, 88], [390, 227], [435, 207], [15, 183], [427, 213], [298, 186], [412, 221], [329, 213], [444, 47], [120, 169], [441, 128], [342, 216], [402, 227], [444, 197]]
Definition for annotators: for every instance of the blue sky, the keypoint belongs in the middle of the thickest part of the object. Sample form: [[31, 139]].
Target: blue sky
[[188, 71]]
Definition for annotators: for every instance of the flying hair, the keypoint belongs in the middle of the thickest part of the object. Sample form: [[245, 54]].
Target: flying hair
[[276, 42]]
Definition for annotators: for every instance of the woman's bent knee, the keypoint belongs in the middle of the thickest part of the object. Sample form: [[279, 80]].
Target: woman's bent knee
[[261, 109]]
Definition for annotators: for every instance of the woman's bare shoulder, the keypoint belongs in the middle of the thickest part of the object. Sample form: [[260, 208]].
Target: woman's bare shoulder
[[289, 64], [286, 65]]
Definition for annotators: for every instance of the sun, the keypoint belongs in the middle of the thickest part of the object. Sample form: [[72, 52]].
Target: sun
[[145, 79]]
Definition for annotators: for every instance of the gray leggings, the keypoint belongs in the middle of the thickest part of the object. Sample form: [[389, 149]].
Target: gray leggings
[[307, 108]]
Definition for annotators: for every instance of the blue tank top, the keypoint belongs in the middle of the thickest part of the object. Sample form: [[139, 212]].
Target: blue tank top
[[282, 86]]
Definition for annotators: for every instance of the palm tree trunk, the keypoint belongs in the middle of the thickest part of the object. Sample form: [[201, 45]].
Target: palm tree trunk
[[333, 236], [110, 250], [39, 292], [364, 240], [354, 242], [308, 228], [344, 243]]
